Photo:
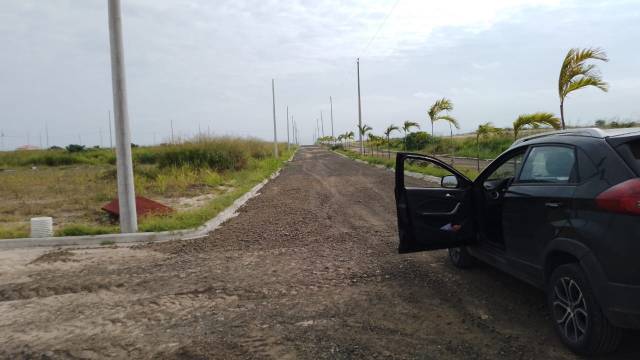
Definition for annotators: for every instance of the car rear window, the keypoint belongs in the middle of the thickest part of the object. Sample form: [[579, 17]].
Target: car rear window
[[630, 152]]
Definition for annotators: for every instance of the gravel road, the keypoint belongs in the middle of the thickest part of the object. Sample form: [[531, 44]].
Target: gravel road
[[308, 269]]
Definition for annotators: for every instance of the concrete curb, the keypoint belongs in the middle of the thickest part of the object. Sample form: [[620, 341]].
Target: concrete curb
[[110, 239]]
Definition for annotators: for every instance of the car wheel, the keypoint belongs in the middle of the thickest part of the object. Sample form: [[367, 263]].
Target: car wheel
[[461, 258], [578, 318]]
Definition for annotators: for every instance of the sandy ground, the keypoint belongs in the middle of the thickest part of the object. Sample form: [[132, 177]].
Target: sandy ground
[[308, 269]]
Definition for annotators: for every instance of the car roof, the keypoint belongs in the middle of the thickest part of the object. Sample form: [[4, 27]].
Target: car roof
[[584, 132]]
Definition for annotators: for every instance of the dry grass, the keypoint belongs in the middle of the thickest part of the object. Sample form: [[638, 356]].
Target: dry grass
[[74, 194]]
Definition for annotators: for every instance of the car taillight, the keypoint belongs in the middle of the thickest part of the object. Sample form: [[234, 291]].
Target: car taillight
[[622, 198]]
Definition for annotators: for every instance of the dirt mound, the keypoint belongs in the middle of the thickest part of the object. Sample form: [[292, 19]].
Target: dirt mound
[[58, 255]]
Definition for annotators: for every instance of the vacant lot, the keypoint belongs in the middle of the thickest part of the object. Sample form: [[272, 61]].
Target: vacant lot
[[195, 178], [308, 269]]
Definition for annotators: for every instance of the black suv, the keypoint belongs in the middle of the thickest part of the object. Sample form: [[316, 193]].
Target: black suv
[[559, 210]]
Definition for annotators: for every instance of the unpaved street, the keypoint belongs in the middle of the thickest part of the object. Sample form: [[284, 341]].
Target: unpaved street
[[309, 269]]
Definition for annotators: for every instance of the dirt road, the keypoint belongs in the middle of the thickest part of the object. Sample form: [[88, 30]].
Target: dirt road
[[308, 270]]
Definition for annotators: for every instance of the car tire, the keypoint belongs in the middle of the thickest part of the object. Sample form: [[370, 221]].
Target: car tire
[[461, 258], [577, 316]]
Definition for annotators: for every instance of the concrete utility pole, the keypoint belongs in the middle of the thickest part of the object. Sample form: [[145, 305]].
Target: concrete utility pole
[[359, 108], [172, 139], [288, 143], [275, 132], [331, 105], [46, 132], [322, 123], [110, 134], [124, 163]]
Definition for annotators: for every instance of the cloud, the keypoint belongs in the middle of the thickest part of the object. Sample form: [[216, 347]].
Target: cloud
[[200, 62], [425, 95], [486, 66]]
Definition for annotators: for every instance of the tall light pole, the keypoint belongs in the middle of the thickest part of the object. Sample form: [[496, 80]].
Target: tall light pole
[[359, 108], [46, 131], [124, 164], [322, 123], [288, 142], [331, 106], [275, 134], [172, 139]]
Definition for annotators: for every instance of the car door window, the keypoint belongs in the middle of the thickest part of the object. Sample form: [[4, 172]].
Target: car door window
[[505, 172], [549, 164], [421, 173]]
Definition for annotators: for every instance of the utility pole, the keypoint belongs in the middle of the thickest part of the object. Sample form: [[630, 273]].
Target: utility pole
[[322, 123], [295, 131], [124, 163], [172, 140], [46, 132], [317, 129], [288, 143], [275, 133], [110, 134], [359, 108], [331, 105]]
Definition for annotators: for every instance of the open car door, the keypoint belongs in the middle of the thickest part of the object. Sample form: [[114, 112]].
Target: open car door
[[434, 212]]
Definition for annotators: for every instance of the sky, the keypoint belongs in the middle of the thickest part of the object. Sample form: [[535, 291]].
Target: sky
[[207, 65]]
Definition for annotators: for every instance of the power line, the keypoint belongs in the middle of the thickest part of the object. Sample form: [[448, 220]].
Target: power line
[[384, 21]]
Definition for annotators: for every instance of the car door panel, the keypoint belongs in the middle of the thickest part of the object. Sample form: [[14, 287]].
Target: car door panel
[[431, 218]]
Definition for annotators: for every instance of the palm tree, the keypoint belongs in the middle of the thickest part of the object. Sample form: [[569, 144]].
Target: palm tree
[[575, 74], [452, 123], [387, 133], [439, 106], [372, 142], [363, 129], [349, 136], [485, 129], [406, 127], [535, 120]]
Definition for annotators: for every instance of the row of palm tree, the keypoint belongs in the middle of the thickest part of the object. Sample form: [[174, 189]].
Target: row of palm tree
[[575, 74]]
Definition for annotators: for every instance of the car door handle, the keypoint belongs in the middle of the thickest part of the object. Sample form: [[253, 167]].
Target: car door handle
[[553, 204], [447, 195], [444, 213]]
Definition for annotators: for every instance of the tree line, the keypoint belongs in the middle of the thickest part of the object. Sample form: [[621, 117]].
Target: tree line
[[576, 72]]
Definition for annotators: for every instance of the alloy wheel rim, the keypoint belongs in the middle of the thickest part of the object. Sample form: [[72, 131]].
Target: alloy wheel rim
[[570, 309]]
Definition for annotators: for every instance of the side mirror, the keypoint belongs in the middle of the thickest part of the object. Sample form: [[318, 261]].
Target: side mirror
[[449, 182]]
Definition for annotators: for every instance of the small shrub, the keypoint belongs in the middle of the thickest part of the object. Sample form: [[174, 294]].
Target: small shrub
[[419, 140], [72, 148], [204, 155]]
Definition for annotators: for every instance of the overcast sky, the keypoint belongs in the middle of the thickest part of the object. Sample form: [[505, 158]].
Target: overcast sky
[[209, 64]]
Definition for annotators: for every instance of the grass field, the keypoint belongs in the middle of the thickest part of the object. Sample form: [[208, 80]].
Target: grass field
[[198, 179], [391, 164]]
